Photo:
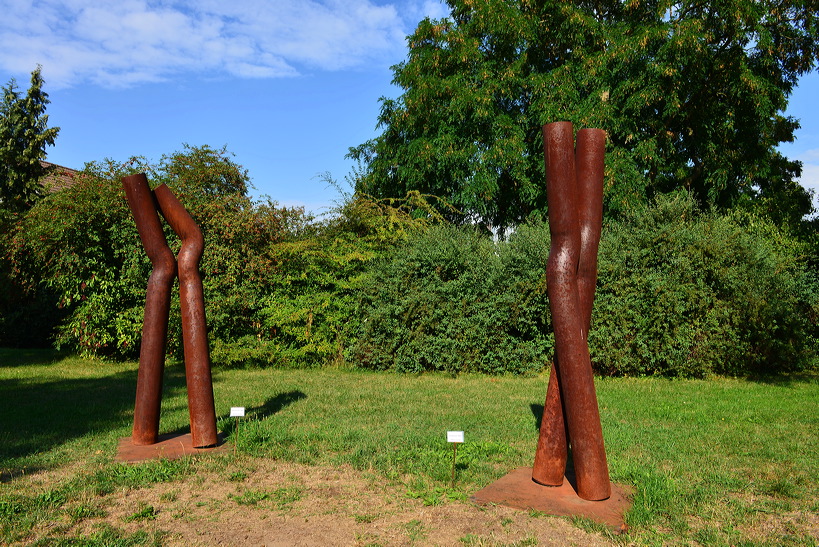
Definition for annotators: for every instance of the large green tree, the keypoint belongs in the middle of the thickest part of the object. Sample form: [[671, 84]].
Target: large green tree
[[692, 95], [24, 135]]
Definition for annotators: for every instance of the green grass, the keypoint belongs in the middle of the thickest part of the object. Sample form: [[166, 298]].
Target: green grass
[[707, 458]]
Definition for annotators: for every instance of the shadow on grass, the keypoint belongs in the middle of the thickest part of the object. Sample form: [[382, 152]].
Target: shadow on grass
[[270, 407], [276, 404], [42, 414], [787, 380], [537, 412], [28, 357]]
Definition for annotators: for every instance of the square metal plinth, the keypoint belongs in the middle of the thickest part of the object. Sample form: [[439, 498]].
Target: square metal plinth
[[518, 490], [170, 447]]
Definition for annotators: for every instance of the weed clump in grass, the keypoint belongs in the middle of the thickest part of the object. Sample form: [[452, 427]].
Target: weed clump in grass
[[148, 512]]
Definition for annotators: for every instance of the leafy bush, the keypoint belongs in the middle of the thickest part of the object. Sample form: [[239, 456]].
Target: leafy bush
[[684, 294], [280, 288], [79, 245], [82, 245], [679, 294], [390, 285], [311, 311], [452, 300]]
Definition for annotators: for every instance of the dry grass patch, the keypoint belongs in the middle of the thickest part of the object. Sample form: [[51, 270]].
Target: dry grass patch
[[278, 503]]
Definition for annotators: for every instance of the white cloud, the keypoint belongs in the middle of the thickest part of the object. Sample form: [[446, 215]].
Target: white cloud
[[809, 156], [810, 176], [126, 42], [810, 172]]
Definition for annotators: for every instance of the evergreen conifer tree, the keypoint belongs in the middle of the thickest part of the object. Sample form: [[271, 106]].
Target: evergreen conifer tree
[[24, 135]]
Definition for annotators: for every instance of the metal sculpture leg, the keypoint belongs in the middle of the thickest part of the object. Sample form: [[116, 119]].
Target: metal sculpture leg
[[591, 149], [157, 307], [571, 413], [194, 325], [552, 442]]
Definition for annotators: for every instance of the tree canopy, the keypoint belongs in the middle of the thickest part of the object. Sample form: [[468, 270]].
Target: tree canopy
[[24, 135], [692, 96]]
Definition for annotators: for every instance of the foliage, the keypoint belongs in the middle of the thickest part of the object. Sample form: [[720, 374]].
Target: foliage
[[682, 294], [453, 300], [690, 93], [24, 135], [81, 245], [239, 259], [26, 315], [389, 284], [310, 312], [280, 288]]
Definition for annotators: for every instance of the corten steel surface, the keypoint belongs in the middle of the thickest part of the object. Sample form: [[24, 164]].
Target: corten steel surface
[[194, 326], [571, 413], [157, 306], [551, 454], [589, 163], [167, 447], [518, 490], [552, 442]]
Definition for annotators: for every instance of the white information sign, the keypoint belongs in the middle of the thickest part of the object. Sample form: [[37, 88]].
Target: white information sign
[[237, 411], [454, 436]]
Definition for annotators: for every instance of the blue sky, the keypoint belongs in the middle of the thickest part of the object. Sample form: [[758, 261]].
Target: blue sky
[[287, 85]]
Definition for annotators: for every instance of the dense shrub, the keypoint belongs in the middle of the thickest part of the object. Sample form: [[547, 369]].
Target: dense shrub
[[81, 244], [280, 288], [679, 294], [240, 258], [26, 310], [310, 313], [452, 300], [390, 285], [684, 294]]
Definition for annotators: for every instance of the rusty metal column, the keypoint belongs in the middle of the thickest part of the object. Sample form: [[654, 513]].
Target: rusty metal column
[[551, 453], [194, 325], [589, 162], [157, 307], [575, 388], [552, 442]]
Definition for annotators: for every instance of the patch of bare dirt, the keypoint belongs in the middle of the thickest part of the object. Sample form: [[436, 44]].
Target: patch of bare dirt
[[796, 526], [278, 504]]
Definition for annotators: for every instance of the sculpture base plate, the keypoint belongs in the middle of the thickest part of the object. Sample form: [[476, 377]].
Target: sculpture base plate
[[170, 446], [518, 490]]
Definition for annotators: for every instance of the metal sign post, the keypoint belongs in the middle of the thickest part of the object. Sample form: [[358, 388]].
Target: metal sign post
[[237, 412], [456, 438]]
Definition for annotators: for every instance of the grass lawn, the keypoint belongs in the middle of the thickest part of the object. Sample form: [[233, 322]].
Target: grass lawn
[[712, 462]]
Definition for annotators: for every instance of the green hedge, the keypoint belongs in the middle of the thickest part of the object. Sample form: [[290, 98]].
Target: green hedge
[[679, 294], [280, 287], [391, 286], [80, 246], [688, 294], [452, 300]]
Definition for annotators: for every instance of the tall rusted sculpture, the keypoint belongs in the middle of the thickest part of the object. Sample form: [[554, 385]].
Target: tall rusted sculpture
[[144, 205], [574, 194]]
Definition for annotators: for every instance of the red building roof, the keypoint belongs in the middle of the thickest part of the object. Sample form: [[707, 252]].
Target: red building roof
[[59, 178]]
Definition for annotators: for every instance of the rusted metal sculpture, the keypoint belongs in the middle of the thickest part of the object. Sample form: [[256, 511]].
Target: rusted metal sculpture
[[194, 326], [144, 205], [157, 307], [574, 194]]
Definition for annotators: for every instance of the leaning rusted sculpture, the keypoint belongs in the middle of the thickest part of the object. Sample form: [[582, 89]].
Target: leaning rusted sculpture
[[574, 193], [144, 205]]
